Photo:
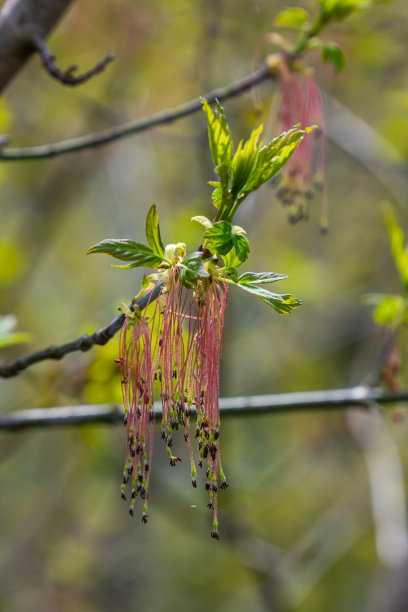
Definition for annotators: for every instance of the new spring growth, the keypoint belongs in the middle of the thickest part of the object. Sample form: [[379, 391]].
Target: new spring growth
[[172, 352]]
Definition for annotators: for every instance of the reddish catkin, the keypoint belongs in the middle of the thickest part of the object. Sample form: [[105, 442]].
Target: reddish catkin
[[176, 353], [301, 102]]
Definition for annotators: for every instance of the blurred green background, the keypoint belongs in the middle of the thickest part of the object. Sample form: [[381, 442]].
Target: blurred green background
[[314, 519]]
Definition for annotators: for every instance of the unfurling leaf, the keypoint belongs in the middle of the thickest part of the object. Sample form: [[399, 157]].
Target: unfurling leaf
[[153, 232], [292, 18], [127, 250], [203, 221], [192, 268]]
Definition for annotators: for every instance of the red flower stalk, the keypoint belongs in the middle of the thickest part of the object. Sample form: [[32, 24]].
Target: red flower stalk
[[180, 346], [301, 102]]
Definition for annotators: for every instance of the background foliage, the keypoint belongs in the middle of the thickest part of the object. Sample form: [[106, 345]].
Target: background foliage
[[296, 523]]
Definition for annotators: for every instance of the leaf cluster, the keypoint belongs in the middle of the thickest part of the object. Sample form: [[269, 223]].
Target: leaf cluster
[[239, 174], [309, 29]]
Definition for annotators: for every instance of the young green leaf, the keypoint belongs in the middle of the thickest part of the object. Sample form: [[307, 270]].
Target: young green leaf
[[397, 242], [292, 18], [191, 269], [153, 232], [260, 278], [219, 137], [255, 163], [283, 304], [331, 52], [389, 310], [9, 337], [127, 250]]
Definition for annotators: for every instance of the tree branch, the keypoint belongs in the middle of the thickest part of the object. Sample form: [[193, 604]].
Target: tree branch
[[83, 343], [17, 16], [68, 77], [361, 397], [98, 139]]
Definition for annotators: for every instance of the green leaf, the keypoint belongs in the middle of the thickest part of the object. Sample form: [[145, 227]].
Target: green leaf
[[219, 137], [9, 337], [292, 18], [153, 232], [283, 304], [389, 309], [331, 52], [255, 163], [203, 221], [191, 269], [260, 278], [222, 237], [127, 250], [337, 9], [241, 244], [397, 242]]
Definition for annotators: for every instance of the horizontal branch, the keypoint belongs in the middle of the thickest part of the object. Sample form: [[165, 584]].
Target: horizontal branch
[[83, 343], [98, 139], [360, 397], [68, 76]]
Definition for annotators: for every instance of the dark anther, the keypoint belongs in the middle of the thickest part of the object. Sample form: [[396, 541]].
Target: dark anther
[[200, 464], [134, 493], [140, 476], [144, 517], [210, 505], [216, 434], [208, 485], [214, 487], [146, 466], [185, 437], [123, 494], [205, 451], [143, 493], [194, 482], [132, 511], [215, 535], [130, 469], [125, 478], [125, 420], [224, 484]]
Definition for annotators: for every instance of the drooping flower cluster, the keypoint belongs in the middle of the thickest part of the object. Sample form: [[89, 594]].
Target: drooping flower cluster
[[175, 352], [301, 102]]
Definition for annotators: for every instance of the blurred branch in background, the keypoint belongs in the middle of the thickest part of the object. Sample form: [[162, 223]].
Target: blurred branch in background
[[83, 343], [367, 146], [98, 139], [67, 77], [356, 397], [16, 16]]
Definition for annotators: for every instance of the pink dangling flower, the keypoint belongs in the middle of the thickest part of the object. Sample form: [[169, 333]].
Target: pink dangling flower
[[301, 102], [179, 346]]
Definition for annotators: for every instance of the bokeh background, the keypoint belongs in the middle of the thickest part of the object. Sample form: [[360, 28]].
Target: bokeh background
[[314, 518]]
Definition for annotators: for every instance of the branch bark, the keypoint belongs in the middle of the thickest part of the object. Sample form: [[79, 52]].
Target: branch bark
[[16, 17], [331, 399], [83, 343]]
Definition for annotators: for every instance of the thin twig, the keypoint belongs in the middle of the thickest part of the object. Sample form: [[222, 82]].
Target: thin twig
[[98, 139], [360, 397], [67, 77], [83, 343]]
